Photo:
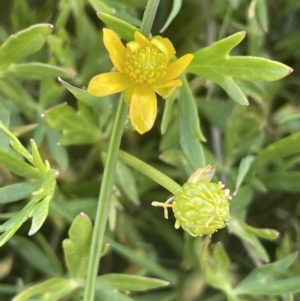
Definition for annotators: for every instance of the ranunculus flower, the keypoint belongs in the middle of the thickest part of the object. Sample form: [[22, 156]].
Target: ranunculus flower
[[142, 67]]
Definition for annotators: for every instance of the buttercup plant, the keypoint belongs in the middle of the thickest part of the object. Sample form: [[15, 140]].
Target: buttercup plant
[[250, 150]]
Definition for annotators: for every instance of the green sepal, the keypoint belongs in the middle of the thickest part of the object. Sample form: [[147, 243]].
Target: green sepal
[[123, 29]]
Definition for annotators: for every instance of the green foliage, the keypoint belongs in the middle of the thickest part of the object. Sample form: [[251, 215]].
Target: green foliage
[[49, 125]]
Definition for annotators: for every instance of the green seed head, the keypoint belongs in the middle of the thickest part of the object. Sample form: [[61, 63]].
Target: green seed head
[[202, 207]]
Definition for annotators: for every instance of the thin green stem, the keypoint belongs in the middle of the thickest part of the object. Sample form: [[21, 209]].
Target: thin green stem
[[149, 16], [104, 200], [147, 170], [108, 175]]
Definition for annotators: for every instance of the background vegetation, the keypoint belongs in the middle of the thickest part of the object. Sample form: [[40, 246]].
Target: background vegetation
[[256, 149]]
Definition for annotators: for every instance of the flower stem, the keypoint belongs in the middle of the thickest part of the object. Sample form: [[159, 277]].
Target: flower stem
[[147, 170], [149, 16], [104, 200], [108, 175]]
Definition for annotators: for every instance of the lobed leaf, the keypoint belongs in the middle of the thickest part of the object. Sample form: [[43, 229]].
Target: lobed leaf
[[77, 129], [77, 247], [215, 64]]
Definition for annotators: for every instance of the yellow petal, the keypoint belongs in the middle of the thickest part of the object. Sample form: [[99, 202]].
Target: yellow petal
[[167, 83], [108, 83], [115, 48], [141, 39], [133, 46], [176, 68], [143, 108], [164, 45]]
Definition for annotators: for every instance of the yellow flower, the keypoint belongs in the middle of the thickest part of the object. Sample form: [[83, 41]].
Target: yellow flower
[[142, 68]]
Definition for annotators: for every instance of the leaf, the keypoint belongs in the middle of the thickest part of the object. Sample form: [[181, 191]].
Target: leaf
[[279, 149], [243, 169], [32, 254], [52, 289], [282, 181], [18, 166], [4, 118], [98, 103], [11, 226], [261, 280], [39, 215], [103, 293], [216, 266], [175, 10], [18, 191], [76, 128], [37, 71], [127, 182], [262, 14], [144, 262], [77, 247], [32, 39], [241, 229], [124, 282], [215, 64], [123, 29], [190, 132]]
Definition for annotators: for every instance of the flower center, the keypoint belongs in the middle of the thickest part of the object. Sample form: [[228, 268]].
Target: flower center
[[145, 65]]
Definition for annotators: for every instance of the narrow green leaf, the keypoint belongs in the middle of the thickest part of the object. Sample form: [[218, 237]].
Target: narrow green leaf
[[18, 166], [37, 159], [98, 103], [127, 182], [239, 228], [261, 280], [174, 12], [104, 293], [124, 282], [16, 192], [39, 215], [77, 247], [147, 263], [282, 181], [32, 254], [123, 29], [4, 119], [11, 226], [243, 169], [262, 14], [53, 288], [279, 149], [32, 39], [76, 128], [190, 132], [37, 71], [167, 114]]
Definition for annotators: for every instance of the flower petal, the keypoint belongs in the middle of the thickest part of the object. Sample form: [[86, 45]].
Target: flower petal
[[167, 83], [164, 45], [108, 83], [115, 48], [143, 108], [176, 68], [141, 39]]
